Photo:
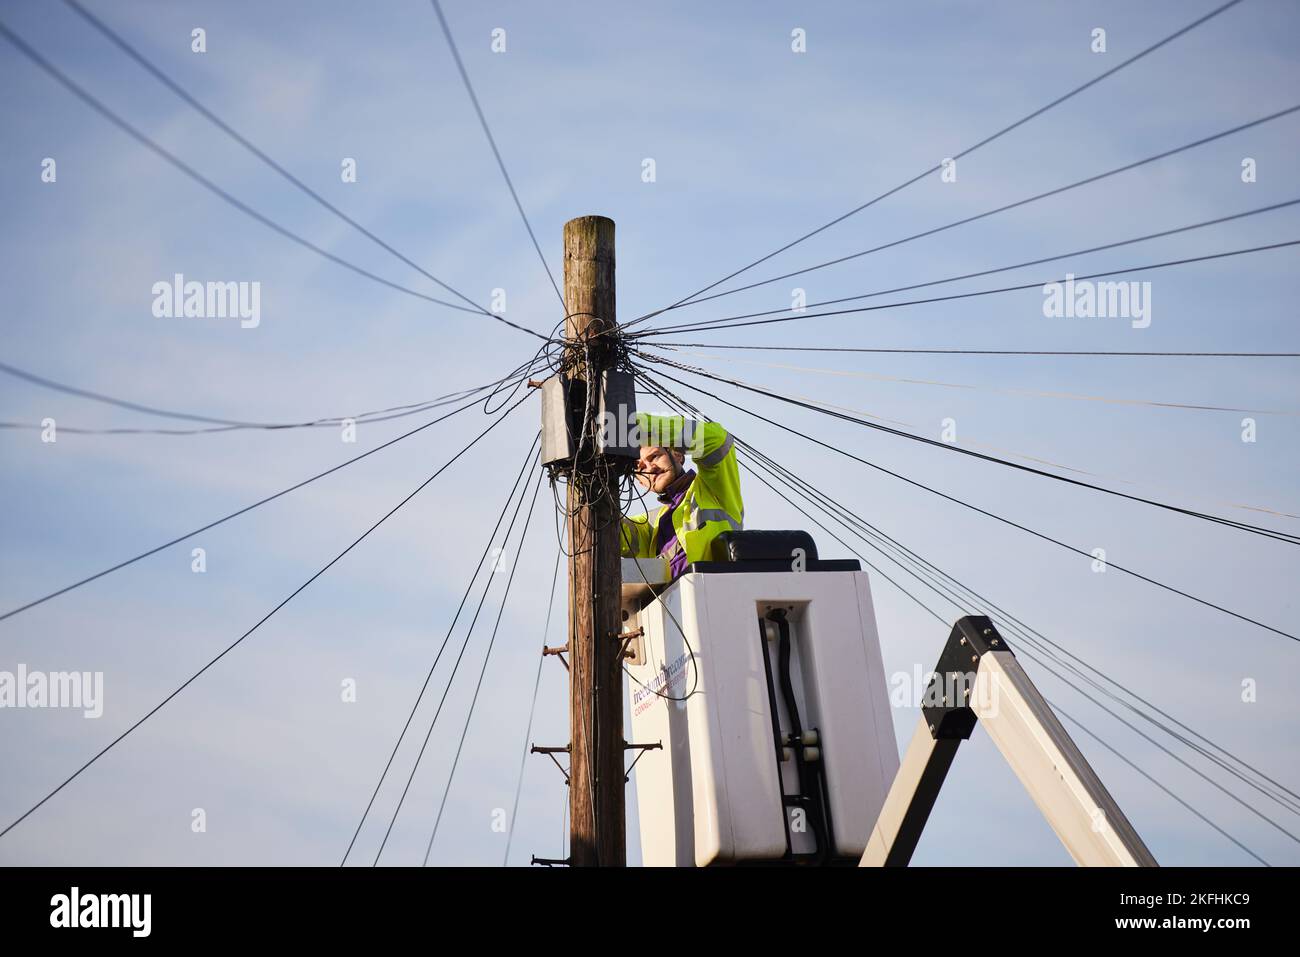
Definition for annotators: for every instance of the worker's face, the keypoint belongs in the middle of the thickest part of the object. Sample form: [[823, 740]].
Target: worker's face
[[658, 468]]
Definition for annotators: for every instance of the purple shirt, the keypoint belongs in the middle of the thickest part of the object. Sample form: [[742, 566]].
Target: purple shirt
[[665, 534]]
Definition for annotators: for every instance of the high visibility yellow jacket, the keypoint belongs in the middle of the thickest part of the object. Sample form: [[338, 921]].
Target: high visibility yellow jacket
[[712, 503]]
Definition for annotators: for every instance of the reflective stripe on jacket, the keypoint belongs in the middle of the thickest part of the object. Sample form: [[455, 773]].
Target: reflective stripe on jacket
[[712, 503]]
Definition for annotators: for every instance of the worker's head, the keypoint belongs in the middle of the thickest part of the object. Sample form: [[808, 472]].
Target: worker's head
[[658, 468]]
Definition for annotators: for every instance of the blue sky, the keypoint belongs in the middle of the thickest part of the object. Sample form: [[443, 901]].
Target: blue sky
[[753, 146]]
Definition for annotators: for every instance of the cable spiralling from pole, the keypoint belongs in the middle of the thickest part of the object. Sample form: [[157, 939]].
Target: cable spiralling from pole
[[1006, 521], [1285, 537], [501, 163], [487, 657], [975, 352], [230, 425], [532, 709], [978, 274], [460, 656], [122, 44], [965, 152], [232, 515], [265, 618], [990, 387], [735, 322], [487, 547], [99, 107]]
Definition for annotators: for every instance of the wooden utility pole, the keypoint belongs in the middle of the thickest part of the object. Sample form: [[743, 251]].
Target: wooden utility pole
[[597, 833]]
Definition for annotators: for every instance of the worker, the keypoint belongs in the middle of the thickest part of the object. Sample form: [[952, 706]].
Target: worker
[[696, 506]]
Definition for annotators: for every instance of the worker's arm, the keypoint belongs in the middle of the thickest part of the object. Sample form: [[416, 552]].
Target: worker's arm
[[712, 452], [636, 539], [707, 443]]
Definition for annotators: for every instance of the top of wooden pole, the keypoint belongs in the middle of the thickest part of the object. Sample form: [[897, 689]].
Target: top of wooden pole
[[588, 275]]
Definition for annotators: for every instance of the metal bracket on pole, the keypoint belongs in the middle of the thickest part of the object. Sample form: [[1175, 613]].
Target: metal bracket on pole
[[628, 637], [979, 679], [551, 753], [643, 748]]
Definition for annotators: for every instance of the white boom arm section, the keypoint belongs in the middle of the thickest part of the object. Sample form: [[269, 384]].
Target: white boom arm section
[[979, 679]]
